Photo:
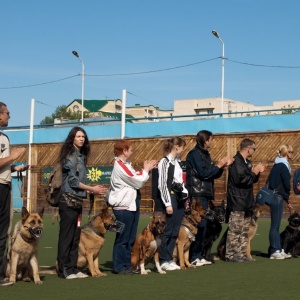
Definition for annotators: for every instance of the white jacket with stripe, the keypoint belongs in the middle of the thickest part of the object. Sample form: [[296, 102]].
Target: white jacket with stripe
[[124, 183]]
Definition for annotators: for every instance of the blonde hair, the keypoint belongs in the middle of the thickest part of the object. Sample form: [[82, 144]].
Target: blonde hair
[[284, 149]]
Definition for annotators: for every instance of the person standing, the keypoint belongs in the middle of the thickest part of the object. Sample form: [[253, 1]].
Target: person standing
[[279, 180], [7, 157], [170, 180], [201, 173], [73, 157], [240, 201], [125, 199]]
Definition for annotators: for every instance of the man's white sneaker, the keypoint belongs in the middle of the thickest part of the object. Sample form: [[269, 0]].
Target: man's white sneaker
[[81, 275], [71, 276], [285, 255], [173, 263], [197, 263], [277, 255], [205, 262], [168, 267]]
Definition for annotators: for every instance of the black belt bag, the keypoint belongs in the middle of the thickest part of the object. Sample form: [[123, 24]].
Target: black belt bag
[[72, 200]]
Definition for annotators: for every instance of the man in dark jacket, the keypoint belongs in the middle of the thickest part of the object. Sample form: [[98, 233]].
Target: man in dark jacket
[[240, 201], [201, 172]]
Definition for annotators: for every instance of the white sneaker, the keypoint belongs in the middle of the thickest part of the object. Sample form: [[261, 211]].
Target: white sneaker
[[277, 255], [71, 276], [197, 263], [168, 267], [285, 255], [173, 263], [205, 262], [81, 275]]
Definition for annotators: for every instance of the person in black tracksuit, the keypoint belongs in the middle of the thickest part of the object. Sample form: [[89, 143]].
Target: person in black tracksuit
[[201, 173]]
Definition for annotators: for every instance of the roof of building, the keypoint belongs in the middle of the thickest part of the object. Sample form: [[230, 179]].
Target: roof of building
[[91, 105]]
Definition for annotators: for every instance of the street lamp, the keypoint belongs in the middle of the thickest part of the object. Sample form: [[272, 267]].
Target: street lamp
[[215, 33], [82, 84]]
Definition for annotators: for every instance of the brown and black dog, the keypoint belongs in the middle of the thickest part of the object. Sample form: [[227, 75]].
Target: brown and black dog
[[221, 249], [186, 235], [147, 243], [23, 255], [92, 238]]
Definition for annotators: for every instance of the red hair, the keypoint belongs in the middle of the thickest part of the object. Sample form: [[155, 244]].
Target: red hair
[[120, 146]]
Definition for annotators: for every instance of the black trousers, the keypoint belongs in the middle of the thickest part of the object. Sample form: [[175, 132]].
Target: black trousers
[[68, 241], [5, 202]]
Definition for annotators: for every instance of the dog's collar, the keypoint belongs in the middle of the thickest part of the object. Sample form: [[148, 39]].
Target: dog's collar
[[191, 220], [294, 227], [190, 234], [95, 230]]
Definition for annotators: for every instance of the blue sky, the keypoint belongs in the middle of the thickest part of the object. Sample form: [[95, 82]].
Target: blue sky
[[135, 36]]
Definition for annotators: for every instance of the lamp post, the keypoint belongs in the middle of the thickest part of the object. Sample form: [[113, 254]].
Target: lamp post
[[82, 84], [215, 33]]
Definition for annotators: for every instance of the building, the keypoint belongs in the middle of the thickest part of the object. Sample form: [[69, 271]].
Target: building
[[204, 107], [113, 109]]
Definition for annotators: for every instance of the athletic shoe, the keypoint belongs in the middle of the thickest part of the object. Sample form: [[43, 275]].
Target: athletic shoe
[[168, 267], [285, 255], [173, 263], [277, 255], [197, 263], [205, 262], [72, 276], [81, 275], [5, 283]]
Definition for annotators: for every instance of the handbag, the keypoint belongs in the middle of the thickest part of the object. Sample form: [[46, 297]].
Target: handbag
[[72, 200], [265, 195]]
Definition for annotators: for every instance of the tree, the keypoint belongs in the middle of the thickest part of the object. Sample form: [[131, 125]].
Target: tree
[[61, 112]]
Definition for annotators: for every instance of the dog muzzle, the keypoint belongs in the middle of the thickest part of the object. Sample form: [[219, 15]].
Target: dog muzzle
[[117, 226], [36, 232]]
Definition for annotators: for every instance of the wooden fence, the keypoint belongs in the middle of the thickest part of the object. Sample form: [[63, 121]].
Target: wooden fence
[[44, 155]]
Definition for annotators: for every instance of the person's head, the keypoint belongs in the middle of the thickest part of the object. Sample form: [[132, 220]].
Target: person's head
[[123, 149], [4, 115], [204, 138], [175, 145], [77, 138], [247, 148], [286, 151]]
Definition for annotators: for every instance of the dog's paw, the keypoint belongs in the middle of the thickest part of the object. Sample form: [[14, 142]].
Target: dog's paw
[[144, 272], [97, 275], [38, 282], [162, 272]]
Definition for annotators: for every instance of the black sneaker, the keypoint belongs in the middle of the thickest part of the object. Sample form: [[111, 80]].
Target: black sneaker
[[5, 283]]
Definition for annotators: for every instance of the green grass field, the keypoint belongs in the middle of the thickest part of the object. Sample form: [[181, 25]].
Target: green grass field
[[263, 279]]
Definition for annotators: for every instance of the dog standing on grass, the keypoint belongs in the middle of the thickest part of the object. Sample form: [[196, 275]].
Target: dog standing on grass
[[147, 243], [23, 255], [186, 235]]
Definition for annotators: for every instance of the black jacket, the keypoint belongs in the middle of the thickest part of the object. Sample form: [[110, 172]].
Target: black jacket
[[200, 173], [280, 180], [240, 185]]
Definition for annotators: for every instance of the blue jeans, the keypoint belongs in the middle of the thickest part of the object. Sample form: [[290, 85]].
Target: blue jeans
[[196, 248], [124, 241], [276, 207], [173, 223]]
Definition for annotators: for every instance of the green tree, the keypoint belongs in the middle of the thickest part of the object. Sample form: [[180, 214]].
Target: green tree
[[61, 112]]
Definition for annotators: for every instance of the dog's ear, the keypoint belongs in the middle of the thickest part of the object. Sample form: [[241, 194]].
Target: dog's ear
[[210, 204], [24, 214], [41, 212]]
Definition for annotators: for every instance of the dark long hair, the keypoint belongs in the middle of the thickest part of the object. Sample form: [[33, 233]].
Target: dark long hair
[[68, 147]]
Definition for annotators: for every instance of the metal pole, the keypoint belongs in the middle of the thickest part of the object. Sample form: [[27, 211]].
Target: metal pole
[[29, 156], [123, 114], [216, 34], [82, 84]]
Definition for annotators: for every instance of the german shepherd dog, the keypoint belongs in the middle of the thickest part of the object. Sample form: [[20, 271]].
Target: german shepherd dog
[[147, 243], [290, 235], [221, 249], [92, 238], [23, 254], [215, 218], [186, 235]]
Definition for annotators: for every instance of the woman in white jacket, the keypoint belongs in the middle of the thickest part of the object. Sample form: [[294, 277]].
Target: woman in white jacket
[[125, 199]]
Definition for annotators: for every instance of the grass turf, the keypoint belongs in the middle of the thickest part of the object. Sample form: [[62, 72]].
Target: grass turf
[[263, 279]]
